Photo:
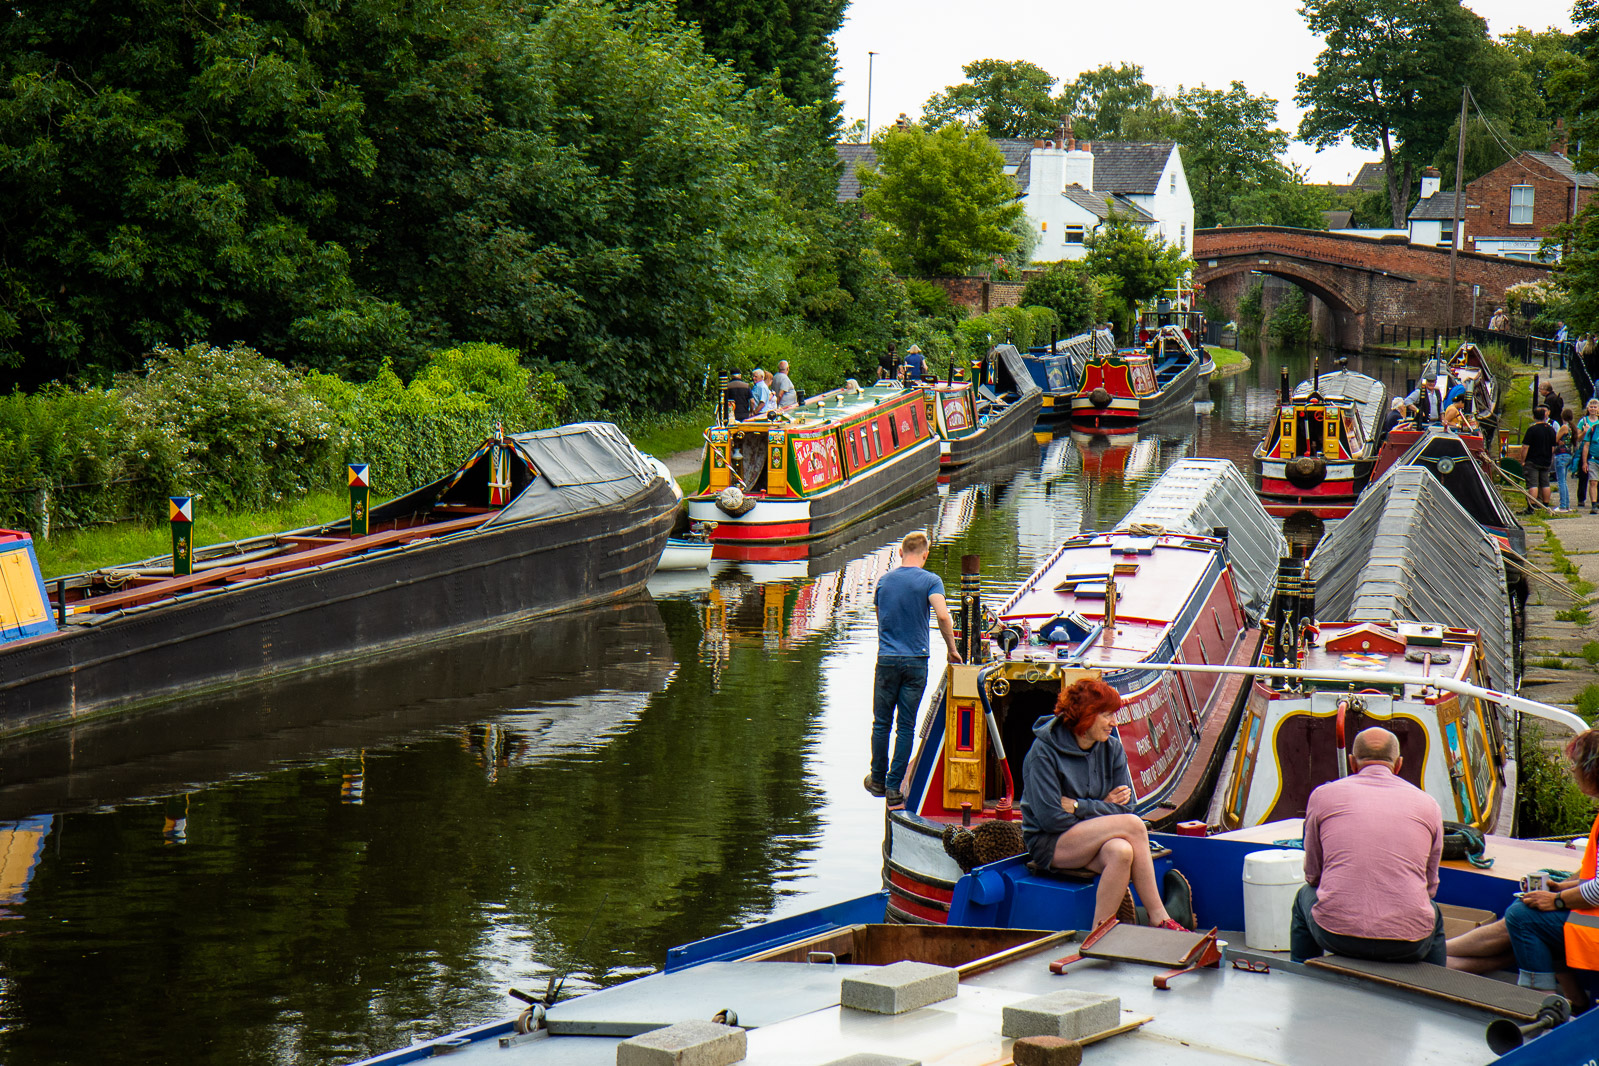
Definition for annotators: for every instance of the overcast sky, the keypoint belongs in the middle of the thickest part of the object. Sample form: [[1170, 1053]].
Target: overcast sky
[[922, 45]]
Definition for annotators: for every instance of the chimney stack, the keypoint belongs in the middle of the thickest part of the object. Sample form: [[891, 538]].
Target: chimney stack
[[1430, 179], [1557, 142]]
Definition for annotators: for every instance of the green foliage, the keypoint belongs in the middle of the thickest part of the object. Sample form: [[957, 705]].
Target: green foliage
[[1131, 266], [940, 199], [1250, 314], [791, 42], [1068, 289], [1548, 801], [816, 363], [1289, 202], [1115, 103], [932, 300], [1230, 147], [1003, 99], [1552, 662], [1290, 319], [1579, 615], [1389, 77], [1588, 702], [1590, 652]]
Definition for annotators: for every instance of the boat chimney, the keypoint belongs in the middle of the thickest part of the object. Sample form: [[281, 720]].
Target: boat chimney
[[971, 606], [1111, 596], [360, 488], [1288, 392], [1220, 533], [1054, 339], [1315, 373], [180, 510]]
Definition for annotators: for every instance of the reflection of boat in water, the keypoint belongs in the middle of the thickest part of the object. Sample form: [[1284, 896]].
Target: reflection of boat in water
[[978, 419], [531, 524], [812, 470], [546, 669], [1319, 452], [828, 553], [1184, 578]]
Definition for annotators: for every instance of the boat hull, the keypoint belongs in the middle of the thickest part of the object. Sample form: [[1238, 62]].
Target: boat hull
[[775, 521], [394, 599], [1332, 497], [1123, 409], [1005, 427]]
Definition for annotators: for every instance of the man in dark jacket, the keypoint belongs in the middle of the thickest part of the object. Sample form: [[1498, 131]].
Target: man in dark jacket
[[1540, 442], [738, 394]]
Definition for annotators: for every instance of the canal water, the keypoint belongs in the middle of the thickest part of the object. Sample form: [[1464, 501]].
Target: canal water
[[328, 867]]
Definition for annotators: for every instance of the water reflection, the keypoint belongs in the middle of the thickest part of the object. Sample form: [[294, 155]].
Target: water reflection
[[334, 864]]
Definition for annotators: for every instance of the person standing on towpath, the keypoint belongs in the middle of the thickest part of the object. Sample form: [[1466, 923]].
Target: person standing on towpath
[[904, 598]]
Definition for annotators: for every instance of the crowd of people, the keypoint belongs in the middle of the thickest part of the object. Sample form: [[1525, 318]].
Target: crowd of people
[[1561, 444]]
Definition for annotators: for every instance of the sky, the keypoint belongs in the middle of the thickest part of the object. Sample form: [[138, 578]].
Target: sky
[[922, 44]]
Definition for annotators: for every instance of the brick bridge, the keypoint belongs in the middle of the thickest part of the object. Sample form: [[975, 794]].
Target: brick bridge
[[1363, 282]]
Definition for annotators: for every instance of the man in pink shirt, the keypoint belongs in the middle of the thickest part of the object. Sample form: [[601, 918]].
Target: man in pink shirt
[[1372, 845]]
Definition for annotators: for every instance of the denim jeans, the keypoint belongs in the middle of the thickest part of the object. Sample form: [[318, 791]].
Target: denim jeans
[[1538, 939], [1562, 479], [1307, 940], [900, 681]]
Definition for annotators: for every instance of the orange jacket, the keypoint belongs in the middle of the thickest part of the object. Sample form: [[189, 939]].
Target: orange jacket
[[1582, 926]]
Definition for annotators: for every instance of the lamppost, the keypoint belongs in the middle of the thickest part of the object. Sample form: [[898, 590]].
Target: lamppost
[[870, 58]]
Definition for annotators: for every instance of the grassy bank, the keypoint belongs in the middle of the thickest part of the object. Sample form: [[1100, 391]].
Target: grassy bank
[[665, 435], [126, 542]]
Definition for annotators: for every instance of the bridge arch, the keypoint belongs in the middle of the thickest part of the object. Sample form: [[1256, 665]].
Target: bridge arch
[[1348, 317]]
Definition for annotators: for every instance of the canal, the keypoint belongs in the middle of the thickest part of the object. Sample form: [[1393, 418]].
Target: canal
[[328, 867]]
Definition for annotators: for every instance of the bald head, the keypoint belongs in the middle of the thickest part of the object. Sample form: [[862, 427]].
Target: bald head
[[1376, 745]]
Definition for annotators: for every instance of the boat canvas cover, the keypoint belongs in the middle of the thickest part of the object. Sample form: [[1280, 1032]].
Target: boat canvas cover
[[580, 467], [1013, 371], [1451, 462], [1409, 552], [1366, 393], [1196, 496]]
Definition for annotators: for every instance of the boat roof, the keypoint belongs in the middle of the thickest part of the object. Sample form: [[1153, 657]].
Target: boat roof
[[840, 405], [1409, 552], [1367, 394], [1197, 496], [1013, 370]]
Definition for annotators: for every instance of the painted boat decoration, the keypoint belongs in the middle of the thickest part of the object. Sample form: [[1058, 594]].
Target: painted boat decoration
[[1137, 385], [1320, 452], [981, 418], [1293, 738], [1058, 369], [777, 993], [815, 468], [1183, 579], [530, 524]]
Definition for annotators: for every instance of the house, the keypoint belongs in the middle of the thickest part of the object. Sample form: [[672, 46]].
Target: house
[[1069, 187], [1508, 211]]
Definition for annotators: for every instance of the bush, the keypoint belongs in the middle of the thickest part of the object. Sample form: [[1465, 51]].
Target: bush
[[1549, 803], [932, 300], [815, 363], [1290, 320], [1067, 289], [1250, 315]]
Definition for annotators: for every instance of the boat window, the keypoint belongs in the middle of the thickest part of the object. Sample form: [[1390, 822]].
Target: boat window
[[1357, 443], [916, 419], [893, 428]]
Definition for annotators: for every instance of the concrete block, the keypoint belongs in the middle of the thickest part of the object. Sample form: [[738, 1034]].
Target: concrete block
[[1068, 1014], [1046, 1051], [684, 1044], [866, 1058], [902, 987]]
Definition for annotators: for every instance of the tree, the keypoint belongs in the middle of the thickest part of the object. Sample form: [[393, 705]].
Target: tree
[[1285, 200], [1115, 103], [940, 199], [1132, 265], [1068, 289], [1230, 145], [792, 41], [1389, 76], [1003, 99]]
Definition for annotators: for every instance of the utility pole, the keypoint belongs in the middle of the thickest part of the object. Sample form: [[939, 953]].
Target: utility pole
[[870, 58], [1460, 209]]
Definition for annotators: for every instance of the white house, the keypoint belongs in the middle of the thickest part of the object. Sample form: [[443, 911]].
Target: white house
[[1065, 184]]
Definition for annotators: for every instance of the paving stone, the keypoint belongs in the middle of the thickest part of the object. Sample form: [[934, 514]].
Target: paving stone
[[692, 1043], [1067, 1013], [901, 987], [866, 1058], [1046, 1051]]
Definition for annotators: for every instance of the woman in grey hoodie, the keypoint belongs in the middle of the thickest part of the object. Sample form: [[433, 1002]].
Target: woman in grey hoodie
[[1077, 801]]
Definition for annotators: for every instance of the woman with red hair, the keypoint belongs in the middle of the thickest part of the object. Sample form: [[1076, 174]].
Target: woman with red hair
[[1077, 801]]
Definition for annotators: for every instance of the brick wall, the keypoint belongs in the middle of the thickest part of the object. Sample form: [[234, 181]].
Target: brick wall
[[978, 293], [1488, 201]]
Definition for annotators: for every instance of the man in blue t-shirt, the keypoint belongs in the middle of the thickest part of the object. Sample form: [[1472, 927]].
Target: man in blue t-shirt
[[904, 597]]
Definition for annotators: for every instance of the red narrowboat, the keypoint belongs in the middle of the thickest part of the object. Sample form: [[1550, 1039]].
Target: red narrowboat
[[1320, 452]]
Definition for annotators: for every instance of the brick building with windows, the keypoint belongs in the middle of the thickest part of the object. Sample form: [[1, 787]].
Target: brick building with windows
[[1509, 211]]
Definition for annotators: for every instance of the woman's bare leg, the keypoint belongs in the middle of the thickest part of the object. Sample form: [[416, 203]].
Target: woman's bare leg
[[1484, 949], [1116, 846]]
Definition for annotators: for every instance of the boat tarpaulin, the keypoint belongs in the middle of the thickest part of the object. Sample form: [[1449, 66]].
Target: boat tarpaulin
[[1196, 496], [1409, 552], [580, 467], [1445, 454], [1013, 370]]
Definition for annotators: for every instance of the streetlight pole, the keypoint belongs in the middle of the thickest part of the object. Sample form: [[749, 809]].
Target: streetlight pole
[[870, 58]]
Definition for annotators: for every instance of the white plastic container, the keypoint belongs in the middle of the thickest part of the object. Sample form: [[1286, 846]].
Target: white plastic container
[[1271, 881]]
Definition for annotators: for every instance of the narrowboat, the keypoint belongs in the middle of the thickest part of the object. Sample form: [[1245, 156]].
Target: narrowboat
[[1058, 369], [1468, 369], [531, 524], [1182, 316], [981, 418], [1184, 578], [820, 986], [812, 469], [1138, 385], [1320, 452]]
